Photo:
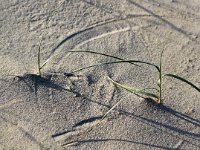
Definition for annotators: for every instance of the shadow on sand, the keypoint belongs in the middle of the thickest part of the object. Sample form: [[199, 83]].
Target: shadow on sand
[[166, 127]]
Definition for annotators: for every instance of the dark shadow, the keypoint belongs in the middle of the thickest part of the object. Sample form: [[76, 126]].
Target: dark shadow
[[146, 119], [59, 134], [158, 107], [180, 115], [167, 128], [33, 80], [122, 140], [165, 109], [87, 121], [169, 110], [174, 27]]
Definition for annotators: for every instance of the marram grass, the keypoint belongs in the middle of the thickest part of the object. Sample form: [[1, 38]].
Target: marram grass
[[142, 92]]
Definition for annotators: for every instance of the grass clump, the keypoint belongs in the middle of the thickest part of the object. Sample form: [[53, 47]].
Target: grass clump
[[146, 93], [157, 96]]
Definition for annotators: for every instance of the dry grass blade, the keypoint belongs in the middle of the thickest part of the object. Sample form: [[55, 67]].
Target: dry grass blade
[[183, 80], [134, 90]]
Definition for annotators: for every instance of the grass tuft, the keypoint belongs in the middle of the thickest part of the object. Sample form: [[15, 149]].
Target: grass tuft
[[137, 91]]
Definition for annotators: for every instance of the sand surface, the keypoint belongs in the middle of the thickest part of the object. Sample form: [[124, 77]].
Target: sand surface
[[55, 110]]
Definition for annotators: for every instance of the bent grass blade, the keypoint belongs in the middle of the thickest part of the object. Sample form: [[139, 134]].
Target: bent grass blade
[[116, 62], [103, 54], [134, 90], [183, 80]]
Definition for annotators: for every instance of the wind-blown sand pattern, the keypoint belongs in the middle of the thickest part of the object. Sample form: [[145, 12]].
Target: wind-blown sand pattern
[[63, 111]]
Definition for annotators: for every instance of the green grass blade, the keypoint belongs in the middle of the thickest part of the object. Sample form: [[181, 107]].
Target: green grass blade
[[103, 54], [115, 62], [160, 65], [134, 90], [39, 57], [183, 80], [159, 83]]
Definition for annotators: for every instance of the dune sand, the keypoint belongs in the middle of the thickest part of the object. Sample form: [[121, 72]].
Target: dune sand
[[56, 111]]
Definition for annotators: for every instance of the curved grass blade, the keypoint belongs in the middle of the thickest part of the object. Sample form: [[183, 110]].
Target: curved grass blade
[[115, 62], [183, 80], [107, 55], [134, 90]]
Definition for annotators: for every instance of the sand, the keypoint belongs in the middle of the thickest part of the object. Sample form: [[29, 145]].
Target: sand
[[57, 111]]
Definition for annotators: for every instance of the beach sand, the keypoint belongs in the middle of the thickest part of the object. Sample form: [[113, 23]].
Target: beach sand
[[58, 111]]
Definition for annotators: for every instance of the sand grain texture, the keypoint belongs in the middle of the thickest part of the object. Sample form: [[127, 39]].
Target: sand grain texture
[[48, 112]]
